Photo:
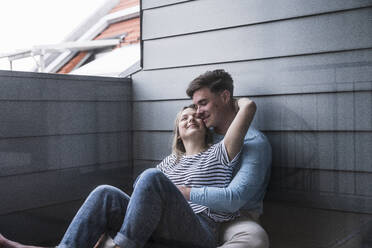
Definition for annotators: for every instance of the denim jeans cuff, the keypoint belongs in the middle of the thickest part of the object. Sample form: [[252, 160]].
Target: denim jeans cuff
[[122, 241]]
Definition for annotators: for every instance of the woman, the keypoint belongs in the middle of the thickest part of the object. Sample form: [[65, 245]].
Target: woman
[[157, 213]]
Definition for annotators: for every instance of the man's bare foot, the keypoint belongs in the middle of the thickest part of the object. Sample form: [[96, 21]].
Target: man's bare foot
[[6, 243]]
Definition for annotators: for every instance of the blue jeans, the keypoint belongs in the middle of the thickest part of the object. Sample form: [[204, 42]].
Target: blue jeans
[[156, 215]]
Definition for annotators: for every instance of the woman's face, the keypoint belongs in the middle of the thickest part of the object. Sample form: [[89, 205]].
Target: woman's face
[[190, 125]]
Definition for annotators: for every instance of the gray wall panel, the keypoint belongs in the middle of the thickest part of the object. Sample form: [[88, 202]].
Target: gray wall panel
[[31, 155], [323, 112], [29, 226], [347, 202], [343, 182], [331, 111], [320, 181], [315, 34], [215, 14], [322, 150], [58, 87], [363, 185], [156, 115], [159, 3], [309, 228], [61, 136], [362, 151], [59, 186], [40, 118], [140, 165], [325, 189], [363, 117], [333, 72], [151, 145]]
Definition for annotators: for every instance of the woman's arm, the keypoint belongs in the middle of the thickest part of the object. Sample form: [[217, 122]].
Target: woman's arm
[[234, 137]]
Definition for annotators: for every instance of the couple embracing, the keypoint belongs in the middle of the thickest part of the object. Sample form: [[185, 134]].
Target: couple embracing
[[207, 193]]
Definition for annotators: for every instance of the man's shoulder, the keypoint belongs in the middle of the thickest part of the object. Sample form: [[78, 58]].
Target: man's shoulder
[[256, 147], [254, 134]]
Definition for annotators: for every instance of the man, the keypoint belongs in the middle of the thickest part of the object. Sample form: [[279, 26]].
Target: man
[[212, 93]]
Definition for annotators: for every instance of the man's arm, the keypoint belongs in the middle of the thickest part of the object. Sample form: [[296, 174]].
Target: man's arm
[[249, 184]]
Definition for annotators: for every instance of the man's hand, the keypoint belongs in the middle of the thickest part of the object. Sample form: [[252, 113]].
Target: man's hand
[[185, 192]]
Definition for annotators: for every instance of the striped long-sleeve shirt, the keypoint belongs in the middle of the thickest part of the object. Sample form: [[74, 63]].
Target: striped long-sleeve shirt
[[209, 168]]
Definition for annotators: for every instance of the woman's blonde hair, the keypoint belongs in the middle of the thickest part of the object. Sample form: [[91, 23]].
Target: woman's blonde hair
[[178, 147]]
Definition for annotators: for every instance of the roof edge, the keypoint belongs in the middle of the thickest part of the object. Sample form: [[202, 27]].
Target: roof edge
[[103, 23]]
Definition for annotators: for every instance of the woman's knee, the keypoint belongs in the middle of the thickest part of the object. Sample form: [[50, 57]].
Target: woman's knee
[[151, 176], [152, 179], [103, 191]]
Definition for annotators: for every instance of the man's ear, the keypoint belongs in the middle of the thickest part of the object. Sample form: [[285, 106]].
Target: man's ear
[[225, 95]]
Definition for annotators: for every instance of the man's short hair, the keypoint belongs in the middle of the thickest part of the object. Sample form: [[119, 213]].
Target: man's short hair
[[216, 81]]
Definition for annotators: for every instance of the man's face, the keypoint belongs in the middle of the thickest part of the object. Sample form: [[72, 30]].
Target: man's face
[[209, 105]]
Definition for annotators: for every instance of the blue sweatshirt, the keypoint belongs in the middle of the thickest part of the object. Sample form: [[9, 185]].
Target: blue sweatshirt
[[248, 187]]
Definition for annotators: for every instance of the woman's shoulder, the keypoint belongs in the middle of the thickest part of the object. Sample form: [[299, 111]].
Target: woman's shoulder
[[214, 148], [172, 157], [169, 160]]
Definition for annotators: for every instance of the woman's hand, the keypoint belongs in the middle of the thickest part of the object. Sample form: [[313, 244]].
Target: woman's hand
[[243, 102], [185, 192]]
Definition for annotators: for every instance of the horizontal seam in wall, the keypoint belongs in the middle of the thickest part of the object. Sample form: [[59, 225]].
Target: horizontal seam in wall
[[58, 77], [149, 160], [301, 206], [256, 23], [280, 167], [329, 193], [276, 131], [264, 95], [86, 166], [44, 206], [342, 194], [66, 134], [318, 131], [260, 59], [61, 101], [320, 169], [150, 131], [165, 5]]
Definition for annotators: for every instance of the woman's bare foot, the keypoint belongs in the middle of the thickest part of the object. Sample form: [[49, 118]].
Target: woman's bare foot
[[6, 243]]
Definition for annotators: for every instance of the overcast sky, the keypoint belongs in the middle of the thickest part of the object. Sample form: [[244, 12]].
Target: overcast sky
[[24, 23]]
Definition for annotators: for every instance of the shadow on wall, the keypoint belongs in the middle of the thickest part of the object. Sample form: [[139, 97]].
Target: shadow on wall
[[295, 157], [312, 190]]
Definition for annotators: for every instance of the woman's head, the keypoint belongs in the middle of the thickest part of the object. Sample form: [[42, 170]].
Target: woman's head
[[189, 126]]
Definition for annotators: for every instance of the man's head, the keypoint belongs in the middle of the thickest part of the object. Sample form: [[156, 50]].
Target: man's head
[[212, 93]]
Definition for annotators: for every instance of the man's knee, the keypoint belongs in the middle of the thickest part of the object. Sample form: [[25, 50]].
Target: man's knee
[[244, 234], [258, 237]]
